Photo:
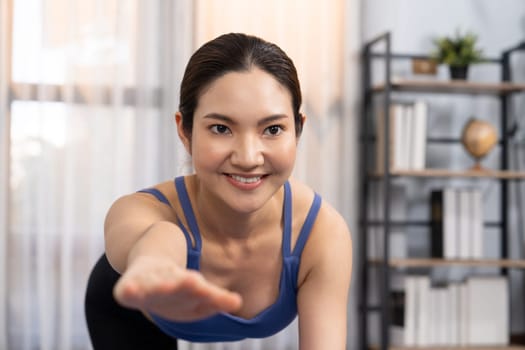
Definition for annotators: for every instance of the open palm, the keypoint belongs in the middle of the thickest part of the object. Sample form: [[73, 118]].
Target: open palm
[[161, 287]]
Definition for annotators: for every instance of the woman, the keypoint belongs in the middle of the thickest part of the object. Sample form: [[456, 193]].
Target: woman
[[237, 249]]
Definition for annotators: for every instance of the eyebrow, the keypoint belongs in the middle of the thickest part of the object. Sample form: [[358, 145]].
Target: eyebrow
[[265, 120]]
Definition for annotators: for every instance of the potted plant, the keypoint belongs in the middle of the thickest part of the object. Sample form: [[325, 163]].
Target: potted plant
[[458, 53]]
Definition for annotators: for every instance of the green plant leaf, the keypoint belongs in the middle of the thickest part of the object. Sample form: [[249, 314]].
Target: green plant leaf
[[457, 51]]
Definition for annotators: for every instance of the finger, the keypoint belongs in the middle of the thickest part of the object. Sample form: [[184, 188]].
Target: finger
[[220, 298], [128, 293], [226, 300]]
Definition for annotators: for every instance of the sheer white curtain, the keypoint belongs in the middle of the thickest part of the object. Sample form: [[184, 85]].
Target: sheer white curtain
[[4, 164], [322, 38], [93, 88], [86, 109]]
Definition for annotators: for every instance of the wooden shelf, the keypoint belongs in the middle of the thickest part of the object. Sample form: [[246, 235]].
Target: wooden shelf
[[495, 174], [453, 87], [509, 347], [436, 262]]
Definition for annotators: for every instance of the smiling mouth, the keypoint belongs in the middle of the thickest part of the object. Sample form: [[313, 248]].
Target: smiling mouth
[[246, 179]]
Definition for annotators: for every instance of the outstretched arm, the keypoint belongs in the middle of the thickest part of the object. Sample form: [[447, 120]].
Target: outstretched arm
[[323, 295], [149, 250]]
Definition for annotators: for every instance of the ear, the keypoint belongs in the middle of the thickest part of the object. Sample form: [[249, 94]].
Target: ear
[[186, 141], [303, 120]]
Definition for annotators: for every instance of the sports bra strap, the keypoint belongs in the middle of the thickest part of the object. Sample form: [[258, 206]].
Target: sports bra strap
[[159, 195], [287, 220], [307, 226], [185, 202], [162, 198]]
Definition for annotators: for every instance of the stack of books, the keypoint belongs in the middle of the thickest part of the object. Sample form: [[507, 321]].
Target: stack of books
[[472, 313], [457, 223], [406, 139]]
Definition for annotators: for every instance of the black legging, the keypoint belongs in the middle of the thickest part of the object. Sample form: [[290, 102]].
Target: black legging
[[112, 326]]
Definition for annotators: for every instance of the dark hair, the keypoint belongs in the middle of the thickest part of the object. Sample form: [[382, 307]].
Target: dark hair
[[235, 52]]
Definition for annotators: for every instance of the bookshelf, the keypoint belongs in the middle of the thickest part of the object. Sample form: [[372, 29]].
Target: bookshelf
[[385, 265]]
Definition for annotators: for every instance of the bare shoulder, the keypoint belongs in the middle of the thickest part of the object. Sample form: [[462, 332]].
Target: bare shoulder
[[127, 220], [329, 222], [140, 205], [329, 244]]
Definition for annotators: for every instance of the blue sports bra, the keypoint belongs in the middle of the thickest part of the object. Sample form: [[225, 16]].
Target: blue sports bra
[[227, 327]]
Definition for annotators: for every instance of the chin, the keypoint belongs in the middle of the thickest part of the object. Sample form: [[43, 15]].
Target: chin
[[249, 198]]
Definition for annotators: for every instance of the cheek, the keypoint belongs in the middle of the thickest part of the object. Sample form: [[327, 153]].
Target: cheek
[[206, 153], [283, 155]]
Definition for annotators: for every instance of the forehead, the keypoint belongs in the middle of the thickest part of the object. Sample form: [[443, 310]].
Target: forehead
[[253, 92]]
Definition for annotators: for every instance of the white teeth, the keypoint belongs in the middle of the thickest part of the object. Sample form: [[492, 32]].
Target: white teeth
[[246, 180]]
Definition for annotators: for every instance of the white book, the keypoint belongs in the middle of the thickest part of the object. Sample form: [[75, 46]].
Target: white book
[[444, 311], [433, 317], [410, 310], [420, 135], [453, 314], [399, 135], [464, 324], [411, 139], [477, 224], [488, 311], [450, 218], [407, 124], [465, 232], [423, 316], [397, 335]]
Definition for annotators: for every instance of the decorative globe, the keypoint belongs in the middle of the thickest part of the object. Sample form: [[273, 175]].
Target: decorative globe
[[478, 138]]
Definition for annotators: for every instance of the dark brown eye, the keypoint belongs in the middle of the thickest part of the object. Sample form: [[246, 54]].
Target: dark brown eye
[[273, 130], [220, 129]]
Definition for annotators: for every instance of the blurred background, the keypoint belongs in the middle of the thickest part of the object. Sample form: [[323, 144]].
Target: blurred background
[[88, 92]]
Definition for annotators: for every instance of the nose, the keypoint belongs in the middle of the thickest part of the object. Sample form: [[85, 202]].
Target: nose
[[247, 152]]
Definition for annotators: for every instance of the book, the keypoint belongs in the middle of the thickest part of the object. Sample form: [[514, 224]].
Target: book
[[406, 141], [487, 311], [463, 321], [405, 299], [464, 223], [398, 122], [450, 223], [477, 228], [410, 317], [442, 316], [397, 317], [453, 314], [406, 137], [443, 228], [419, 136], [392, 141], [424, 317]]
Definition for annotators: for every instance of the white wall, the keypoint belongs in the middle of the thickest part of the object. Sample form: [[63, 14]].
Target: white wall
[[499, 26]]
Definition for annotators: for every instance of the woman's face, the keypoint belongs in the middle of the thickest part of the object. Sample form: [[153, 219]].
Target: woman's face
[[243, 142]]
